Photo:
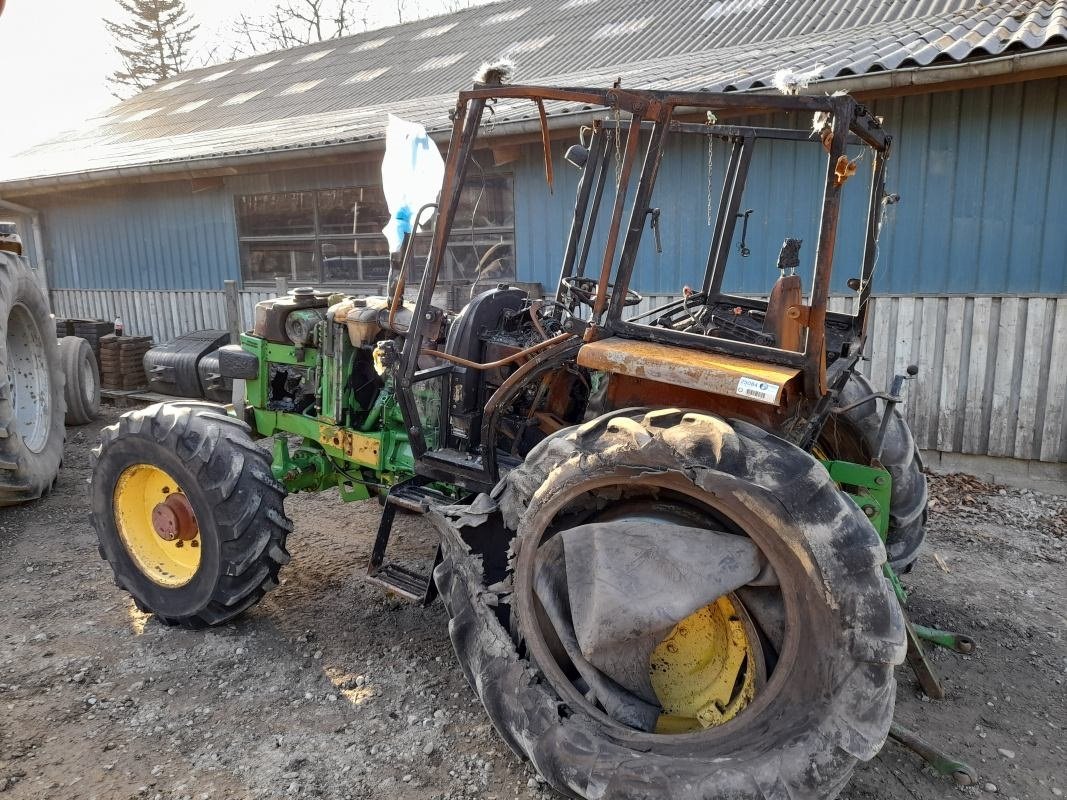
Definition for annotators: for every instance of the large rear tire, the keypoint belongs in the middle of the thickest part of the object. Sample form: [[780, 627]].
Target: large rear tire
[[829, 701], [187, 513], [31, 387]]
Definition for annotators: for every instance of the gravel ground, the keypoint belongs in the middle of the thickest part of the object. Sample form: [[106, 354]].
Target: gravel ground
[[331, 689]]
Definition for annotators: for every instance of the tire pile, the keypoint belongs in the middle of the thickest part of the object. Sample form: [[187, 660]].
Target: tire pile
[[91, 330], [122, 361]]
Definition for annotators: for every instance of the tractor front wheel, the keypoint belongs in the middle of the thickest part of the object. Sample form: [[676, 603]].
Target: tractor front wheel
[[187, 513], [694, 610]]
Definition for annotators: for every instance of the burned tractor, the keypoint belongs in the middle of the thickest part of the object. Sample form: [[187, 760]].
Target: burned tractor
[[663, 531]]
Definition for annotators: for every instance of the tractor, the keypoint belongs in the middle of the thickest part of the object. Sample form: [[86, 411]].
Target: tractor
[[669, 534]]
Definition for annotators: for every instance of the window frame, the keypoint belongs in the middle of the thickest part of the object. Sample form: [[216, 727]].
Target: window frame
[[317, 238]]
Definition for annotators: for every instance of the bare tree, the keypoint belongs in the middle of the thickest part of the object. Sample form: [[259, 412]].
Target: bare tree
[[153, 42], [297, 22]]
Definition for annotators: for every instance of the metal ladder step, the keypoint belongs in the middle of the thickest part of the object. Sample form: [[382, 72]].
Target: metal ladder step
[[411, 496]]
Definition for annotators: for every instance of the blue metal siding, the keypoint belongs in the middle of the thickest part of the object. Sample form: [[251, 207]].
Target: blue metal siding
[[981, 174], [982, 180], [155, 236]]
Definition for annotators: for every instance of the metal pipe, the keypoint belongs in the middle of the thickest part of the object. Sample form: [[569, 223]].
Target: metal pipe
[[502, 362]]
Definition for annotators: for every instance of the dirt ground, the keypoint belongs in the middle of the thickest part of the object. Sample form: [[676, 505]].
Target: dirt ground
[[330, 689]]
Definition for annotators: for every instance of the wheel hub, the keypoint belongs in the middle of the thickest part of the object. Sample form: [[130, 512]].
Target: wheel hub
[[708, 668], [157, 525], [173, 519]]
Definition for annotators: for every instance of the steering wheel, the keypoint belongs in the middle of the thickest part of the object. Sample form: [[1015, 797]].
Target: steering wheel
[[583, 290]]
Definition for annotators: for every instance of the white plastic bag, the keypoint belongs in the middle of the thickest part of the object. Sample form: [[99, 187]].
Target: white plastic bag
[[412, 173]]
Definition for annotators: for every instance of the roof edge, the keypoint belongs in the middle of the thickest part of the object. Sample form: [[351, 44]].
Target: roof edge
[[920, 79]]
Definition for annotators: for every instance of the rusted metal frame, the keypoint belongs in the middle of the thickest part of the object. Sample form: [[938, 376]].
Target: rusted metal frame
[[712, 344], [550, 358], [815, 372], [870, 245], [636, 101], [546, 143], [726, 221], [629, 155], [638, 212], [594, 209], [760, 132], [868, 128], [464, 130], [581, 203]]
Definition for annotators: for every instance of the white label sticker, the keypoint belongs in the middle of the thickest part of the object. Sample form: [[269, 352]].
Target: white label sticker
[[758, 390]]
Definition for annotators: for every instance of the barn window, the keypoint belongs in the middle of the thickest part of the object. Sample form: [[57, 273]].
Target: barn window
[[333, 236]]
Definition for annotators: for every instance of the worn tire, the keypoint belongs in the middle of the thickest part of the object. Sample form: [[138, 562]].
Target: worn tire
[[851, 436], [831, 707], [82, 390], [31, 387], [237, 502]]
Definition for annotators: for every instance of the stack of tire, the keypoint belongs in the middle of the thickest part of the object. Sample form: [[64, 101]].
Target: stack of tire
[[91, 330], [122, 361]]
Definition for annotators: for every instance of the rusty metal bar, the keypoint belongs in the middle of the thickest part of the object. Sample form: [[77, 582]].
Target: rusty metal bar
[[581, 203], [629, 155], [649, 172], [726, 221], [870, 245], [465, 125], [815, 374], [637, 101], [598, 195]]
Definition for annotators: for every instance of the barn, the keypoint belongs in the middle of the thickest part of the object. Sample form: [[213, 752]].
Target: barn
[[227, 183]]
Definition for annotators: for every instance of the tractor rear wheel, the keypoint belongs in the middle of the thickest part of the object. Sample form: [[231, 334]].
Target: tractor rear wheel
[[781, 703], [187, 513], [31, 387], [852, 437]]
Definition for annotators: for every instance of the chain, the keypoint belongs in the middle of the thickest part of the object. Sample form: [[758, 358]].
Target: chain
[[618, 148], [711, 161]]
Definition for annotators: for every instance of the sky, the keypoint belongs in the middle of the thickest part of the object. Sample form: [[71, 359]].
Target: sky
[[55, 56]]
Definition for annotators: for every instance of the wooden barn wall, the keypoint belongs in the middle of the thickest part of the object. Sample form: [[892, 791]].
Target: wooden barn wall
[[991, 378]]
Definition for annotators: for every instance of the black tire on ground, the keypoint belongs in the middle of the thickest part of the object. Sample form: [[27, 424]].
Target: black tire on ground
[[851, 436], [830, 699], [31, 387], [237, 501], [82, 392]]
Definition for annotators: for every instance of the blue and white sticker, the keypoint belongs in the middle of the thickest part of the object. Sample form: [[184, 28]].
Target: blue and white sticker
[[757, 390]]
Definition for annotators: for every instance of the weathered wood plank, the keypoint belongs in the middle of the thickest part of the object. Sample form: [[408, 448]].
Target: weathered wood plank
[[1030, 378], [903, 341], [975, 429], [1053, 438], [1004, 408], [953, 370], [925, 390]]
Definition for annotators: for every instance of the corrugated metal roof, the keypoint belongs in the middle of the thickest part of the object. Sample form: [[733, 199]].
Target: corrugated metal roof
[[339, 91]]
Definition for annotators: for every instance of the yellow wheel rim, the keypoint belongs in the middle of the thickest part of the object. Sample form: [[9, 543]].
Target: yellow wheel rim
[[707, 669], [157, 525]]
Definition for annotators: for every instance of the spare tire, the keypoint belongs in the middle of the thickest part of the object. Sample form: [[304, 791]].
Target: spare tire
[[82, 391], [31, 386]]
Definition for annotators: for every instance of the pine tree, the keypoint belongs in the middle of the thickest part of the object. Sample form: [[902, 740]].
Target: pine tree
[[153, 41]]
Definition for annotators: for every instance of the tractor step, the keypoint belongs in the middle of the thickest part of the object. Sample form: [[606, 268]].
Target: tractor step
[[416, 497], [403, 582]]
